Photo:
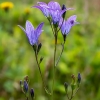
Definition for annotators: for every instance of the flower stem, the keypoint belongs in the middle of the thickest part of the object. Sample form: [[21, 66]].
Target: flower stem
[[41, 74], [74, 94], [60, 54], [54, 65], [71, 96], [51, 25]]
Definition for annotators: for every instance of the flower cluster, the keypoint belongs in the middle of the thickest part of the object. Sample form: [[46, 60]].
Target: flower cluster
[[25, 88], [74, 86], [56, 17], [56, 14]]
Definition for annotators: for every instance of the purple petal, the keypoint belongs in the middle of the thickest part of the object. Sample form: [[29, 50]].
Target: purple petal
[[22, 29], [38, 30], [68, 28], [55, 15], [72, 17], [61, 22], [42, 4], [63, 28], [62, 11], [54, 5], [70, 8], [44, 10], [30, 32], [29, 28], [72, 20], [39, 7]]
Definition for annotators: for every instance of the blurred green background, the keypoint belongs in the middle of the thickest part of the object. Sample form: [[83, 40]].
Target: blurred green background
[[81, 54]]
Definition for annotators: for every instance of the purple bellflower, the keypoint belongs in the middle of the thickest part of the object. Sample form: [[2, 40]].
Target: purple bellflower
[[55, 11], [31, 33], [52, 9], [67, 25]]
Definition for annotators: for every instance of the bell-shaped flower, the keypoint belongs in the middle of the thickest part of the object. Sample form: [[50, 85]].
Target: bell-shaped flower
[[52, 9], [31, 33], [55, 11], [67, 25]]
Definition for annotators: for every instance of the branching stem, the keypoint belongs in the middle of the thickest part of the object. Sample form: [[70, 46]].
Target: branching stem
[[41, 74]]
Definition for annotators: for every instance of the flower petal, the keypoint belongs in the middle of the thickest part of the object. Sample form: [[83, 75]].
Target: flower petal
[[44, 9], [68, 28], [30, 32], [54, 5], [73, 17], [42, 4], [72, 20], [29, 27], [39, 30], [22, 29], [55, 15]]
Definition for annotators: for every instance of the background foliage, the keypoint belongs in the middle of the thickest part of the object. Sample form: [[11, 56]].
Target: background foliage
[[81, 54]]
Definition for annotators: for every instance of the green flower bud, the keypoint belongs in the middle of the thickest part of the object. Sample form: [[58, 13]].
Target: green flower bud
[[66, 86]]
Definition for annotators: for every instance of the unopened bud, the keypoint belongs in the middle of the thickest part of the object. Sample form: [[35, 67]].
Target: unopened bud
[[32, 93], [41, 59], [79, 78], [39, 47], [25, 86], [63, 8], [66, 86]]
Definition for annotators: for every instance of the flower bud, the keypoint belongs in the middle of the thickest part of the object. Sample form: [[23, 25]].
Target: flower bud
[[32, 93], [25, 86], [39, 47], [66, 86], [79, 78], [41, 59], [63, 8]]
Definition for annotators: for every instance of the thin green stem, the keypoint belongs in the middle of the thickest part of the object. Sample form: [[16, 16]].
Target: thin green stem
[[51, 26], [60, 55], [67, 96], [41, 74], [26, 97], [71, 96], [75, 93], [54, 64]]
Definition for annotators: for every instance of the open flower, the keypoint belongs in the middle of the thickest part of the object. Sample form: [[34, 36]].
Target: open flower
[[52, 9], [55, 11], [67, 25], [32, 34]]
